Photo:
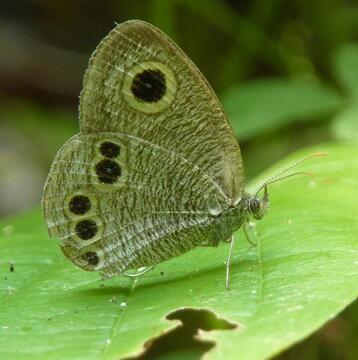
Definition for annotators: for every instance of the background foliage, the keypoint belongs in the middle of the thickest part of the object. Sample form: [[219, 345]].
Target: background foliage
[[286, 72]]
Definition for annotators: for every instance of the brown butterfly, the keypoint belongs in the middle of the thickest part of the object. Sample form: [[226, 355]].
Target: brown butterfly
[[155, 170]]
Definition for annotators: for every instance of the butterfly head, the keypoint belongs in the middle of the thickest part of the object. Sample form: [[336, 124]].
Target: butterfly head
[[258, 206]]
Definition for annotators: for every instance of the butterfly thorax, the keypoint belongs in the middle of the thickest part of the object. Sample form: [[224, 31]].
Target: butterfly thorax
[[233, 217]]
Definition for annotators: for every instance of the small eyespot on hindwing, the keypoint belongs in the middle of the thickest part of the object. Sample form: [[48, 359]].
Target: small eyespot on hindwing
[[79, 204], [108, 171], [109, 149], [86, 229], [91, 258]]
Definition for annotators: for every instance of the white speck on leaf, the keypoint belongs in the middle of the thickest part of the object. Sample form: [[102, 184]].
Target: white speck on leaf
[[123, 305]]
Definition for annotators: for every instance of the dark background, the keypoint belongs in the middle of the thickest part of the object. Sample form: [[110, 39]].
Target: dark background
[[44, 50]]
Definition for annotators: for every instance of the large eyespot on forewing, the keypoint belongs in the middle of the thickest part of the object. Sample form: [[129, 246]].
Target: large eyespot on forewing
[[149, 87]]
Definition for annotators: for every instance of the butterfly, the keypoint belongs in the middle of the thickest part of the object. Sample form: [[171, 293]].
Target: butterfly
[[155, 169]]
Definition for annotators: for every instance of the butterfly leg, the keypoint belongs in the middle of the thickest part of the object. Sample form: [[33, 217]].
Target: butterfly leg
[[228, 261], [244, 229], [139, 272]]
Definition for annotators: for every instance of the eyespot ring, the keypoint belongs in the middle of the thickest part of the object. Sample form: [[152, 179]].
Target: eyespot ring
[[110, 147], [85, 231], [149, 87]]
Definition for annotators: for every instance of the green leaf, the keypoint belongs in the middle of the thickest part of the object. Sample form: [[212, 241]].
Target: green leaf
[[48, 130], [301, 274], [345, 124], [346, 67], [256, 107]]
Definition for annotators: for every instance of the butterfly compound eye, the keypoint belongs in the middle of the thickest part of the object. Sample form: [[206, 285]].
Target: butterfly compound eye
[[254, 205]]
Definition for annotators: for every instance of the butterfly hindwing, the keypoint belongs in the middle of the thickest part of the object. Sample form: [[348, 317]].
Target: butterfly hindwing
[[140, 83], [119, 202]]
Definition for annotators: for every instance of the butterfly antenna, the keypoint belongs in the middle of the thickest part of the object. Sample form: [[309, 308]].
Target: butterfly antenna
[[277, 177]]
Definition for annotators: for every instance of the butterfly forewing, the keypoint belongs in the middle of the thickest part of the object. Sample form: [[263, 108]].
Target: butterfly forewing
[[139, 82]]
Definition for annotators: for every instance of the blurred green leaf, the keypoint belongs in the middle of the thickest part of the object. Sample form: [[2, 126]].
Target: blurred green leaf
[[45, 129], [345, 124], [267, 105], [235, 24], [162, 14], [346, 67], [334, 341], [301, 274]]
